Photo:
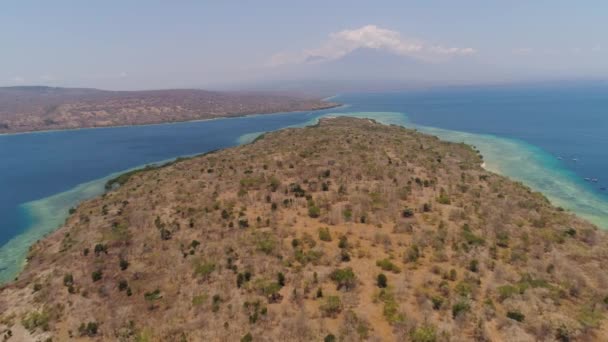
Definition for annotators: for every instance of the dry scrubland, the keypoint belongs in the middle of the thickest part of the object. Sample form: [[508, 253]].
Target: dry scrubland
[[25, 109], [346, 231]]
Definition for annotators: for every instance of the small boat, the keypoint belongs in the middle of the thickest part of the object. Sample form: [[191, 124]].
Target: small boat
[[587, 179], [603, 188], [594, 180], [574, 159], [560, 158]]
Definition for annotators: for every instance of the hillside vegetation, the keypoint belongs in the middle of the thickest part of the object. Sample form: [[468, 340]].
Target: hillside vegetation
[[345, 231], [25, 109]]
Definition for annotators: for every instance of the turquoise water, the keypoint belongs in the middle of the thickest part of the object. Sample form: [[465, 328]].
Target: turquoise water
[[526, 134]]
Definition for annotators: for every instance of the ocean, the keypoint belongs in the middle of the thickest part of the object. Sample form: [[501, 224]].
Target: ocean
[[551, 138]]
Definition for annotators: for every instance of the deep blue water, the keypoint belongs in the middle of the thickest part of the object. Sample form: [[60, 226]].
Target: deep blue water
[[567, 122]]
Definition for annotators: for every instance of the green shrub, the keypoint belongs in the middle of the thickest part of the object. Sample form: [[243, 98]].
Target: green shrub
[[460, 308], [407, 212], [36, 319], [425, 333], [387, 265], [391, 307], [89, 329], [437, 302], [215, 303], [330, 338], [314, 211], [124, 264], [281, 279], [265, 242], [324, 234], [343, 243], [381, 281], [96, 275], [332, 306], [204, 269], [122, 285], [470, 237], [516, 315], [154, 295], [507, 291], [100, 248], [68, 280], [412, 254], [247, 338], [344, 278], [474, 266]]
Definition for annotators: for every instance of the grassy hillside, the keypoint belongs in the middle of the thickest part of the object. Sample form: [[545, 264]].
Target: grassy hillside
[[44, 108], [349, 230]]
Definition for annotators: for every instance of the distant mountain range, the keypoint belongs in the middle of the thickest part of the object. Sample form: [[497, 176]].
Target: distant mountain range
[[34, 108]]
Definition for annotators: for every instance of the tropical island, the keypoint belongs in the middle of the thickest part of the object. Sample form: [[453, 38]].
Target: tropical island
[[36, 108], [347, 230]]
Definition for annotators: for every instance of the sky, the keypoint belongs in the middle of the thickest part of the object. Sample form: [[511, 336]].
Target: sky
[[178, 44]]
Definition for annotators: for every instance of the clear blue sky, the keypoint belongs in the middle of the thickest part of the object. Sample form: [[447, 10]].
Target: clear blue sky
[[161, 44]]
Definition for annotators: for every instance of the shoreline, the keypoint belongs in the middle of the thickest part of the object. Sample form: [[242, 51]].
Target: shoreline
[[41, 131], [495, 150]]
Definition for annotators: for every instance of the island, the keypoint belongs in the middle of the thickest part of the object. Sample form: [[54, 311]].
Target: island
[[37, 108], [344, 231]]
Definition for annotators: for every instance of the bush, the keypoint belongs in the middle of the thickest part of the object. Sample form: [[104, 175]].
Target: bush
[[247, 338], [100, 248], [507, 291], [242, 278], [204, 269], [122, 285], [460, 308], [330, 338], [281, 279], [324, 234], [314, 211], [344, 278], [412, 254], [36, 319], [89, 329], [381, 281], [387, 265], [154, 295], [124, 264], [97, 275], [474, 266], [470, 237], [165, 234], [425, 333], [265, 242], [68, 280], [343, 243], [332, 306], [516, 315], [408, 212]]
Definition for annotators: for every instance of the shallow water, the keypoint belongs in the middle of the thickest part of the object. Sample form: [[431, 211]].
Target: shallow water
[[520, 131]]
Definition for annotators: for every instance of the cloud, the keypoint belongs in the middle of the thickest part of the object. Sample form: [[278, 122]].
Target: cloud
[[342, 43]]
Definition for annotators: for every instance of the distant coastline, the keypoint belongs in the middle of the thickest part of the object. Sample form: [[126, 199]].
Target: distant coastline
[[33, 108], [229, 116]]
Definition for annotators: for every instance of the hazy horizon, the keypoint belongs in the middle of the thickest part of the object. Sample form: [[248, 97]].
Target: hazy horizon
[[143, 45]]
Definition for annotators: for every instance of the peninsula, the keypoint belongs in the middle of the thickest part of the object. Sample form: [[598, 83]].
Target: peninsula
[[348, 230], [24, 109]]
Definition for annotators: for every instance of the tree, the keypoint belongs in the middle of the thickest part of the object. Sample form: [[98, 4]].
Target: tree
[[344, 278], [97, 275], [381, 281]]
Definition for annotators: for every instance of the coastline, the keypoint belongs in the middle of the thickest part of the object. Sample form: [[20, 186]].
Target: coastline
[[501, 155], [41, 131]]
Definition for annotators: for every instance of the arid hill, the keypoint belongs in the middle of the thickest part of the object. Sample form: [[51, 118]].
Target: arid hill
[[346, 231], [43, 108]]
